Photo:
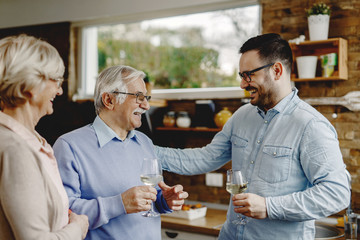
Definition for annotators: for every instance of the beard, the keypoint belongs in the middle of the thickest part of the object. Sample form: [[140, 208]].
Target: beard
[[265, 94]]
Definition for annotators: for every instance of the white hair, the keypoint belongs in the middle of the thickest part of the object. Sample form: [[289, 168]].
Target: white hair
[[115, 78], [26, 63]]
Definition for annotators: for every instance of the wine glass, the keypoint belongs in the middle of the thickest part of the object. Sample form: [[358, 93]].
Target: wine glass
[[151, 175], [235, 184]]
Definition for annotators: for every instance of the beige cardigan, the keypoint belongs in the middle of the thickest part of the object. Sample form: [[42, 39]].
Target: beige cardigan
[[30, 204]]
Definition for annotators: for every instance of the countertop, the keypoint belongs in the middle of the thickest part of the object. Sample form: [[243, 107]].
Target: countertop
[[210, 224]]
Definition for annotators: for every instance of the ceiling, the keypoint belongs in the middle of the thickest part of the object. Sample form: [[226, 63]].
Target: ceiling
[[15, 13]]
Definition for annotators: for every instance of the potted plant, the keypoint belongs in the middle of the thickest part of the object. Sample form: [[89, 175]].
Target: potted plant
[[318, 20]]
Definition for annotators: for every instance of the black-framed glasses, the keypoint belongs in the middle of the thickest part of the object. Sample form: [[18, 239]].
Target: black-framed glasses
[[246, 75], [58, 80], [140, 97]]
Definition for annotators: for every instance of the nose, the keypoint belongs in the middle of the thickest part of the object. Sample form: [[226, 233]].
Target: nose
[[60, 91], [243, 83], [145, 104]]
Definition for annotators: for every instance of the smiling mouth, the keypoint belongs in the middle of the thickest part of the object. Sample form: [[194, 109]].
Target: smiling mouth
[[138, 112], [251, 90]]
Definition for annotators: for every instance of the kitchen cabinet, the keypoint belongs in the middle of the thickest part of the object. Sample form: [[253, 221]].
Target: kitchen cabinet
[[321, 47], [180, 235], [184, 137], [195, 129], [205, 228]]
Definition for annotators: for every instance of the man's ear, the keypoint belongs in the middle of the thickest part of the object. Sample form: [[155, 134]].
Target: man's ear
[[278, 69], [108, 100]]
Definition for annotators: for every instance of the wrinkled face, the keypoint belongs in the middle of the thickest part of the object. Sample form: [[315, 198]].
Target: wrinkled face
[[42, 99], [261, 86], [130, 110]]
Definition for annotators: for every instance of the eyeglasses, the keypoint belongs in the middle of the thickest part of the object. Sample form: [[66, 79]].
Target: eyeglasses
[[246, 75], [58, 80], [140, 97]]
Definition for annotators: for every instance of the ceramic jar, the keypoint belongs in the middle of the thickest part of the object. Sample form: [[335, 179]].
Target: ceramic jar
[[306, 66], [222, 117], [318, 27], [169, 119], [183, 120]]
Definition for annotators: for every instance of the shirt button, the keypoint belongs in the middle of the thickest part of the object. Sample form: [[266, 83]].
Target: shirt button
[[258, 141], [274, 153], [265, 121], [252, 162]]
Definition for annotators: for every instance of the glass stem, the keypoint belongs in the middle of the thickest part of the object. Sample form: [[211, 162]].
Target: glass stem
[[152, 207]]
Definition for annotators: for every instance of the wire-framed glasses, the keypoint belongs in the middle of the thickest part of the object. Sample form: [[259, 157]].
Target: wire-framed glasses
[[140, 97], [247, 74]]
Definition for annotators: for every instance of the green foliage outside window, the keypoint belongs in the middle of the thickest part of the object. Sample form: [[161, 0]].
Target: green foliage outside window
[[180, 58], [167, 66]]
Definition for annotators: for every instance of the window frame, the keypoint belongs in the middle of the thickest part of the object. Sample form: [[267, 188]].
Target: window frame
[[77, 80]]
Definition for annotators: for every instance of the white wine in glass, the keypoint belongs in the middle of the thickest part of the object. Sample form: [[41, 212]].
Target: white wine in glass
[[235, 184], [151, 180], [236, 188], [151, 175]]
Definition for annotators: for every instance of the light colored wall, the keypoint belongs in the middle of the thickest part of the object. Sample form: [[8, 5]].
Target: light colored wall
[[15, 13]]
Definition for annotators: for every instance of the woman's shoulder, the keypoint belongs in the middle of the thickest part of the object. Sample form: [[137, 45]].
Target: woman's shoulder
[[14, 148], [10, 139]]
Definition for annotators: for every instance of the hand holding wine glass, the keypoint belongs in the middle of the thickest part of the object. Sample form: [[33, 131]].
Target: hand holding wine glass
[[235, 184], [151, 175]]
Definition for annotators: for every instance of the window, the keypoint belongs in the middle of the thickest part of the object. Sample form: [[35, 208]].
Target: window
[[193, 53]]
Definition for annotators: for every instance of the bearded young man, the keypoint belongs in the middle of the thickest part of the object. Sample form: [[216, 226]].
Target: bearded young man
[[288, 152]]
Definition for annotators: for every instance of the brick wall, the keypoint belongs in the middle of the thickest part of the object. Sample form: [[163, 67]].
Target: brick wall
[[289, 20]]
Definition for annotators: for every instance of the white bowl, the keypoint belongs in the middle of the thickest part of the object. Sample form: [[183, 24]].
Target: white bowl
[[189, 214]]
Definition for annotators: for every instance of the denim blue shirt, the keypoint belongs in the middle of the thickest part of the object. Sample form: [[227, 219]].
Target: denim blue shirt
[[290, 155], [96, 166]]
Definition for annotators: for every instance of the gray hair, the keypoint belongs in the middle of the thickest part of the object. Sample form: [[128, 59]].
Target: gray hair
[[26, 63], [115, 78]]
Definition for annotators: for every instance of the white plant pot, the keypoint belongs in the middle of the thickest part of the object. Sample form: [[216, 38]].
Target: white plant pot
[[318, 27], [306, 66]]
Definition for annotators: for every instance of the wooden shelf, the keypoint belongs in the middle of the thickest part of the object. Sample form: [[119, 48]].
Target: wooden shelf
[[194, 129], [332, 78], [317, 48]]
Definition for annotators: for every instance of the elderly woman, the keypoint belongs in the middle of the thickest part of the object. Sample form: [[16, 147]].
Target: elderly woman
[[33, 202]]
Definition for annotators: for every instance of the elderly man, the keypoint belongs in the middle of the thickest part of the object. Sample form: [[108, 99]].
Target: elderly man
[[100, 163], [288, 152]]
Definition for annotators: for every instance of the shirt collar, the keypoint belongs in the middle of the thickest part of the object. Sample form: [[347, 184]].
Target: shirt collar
[[105, 134], [283, 104]]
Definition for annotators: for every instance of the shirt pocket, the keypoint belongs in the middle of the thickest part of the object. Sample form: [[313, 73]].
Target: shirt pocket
[[239, 146], [238, 143], [275, 164]]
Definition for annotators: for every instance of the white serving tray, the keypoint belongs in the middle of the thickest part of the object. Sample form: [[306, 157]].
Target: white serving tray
[[189, 214]]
